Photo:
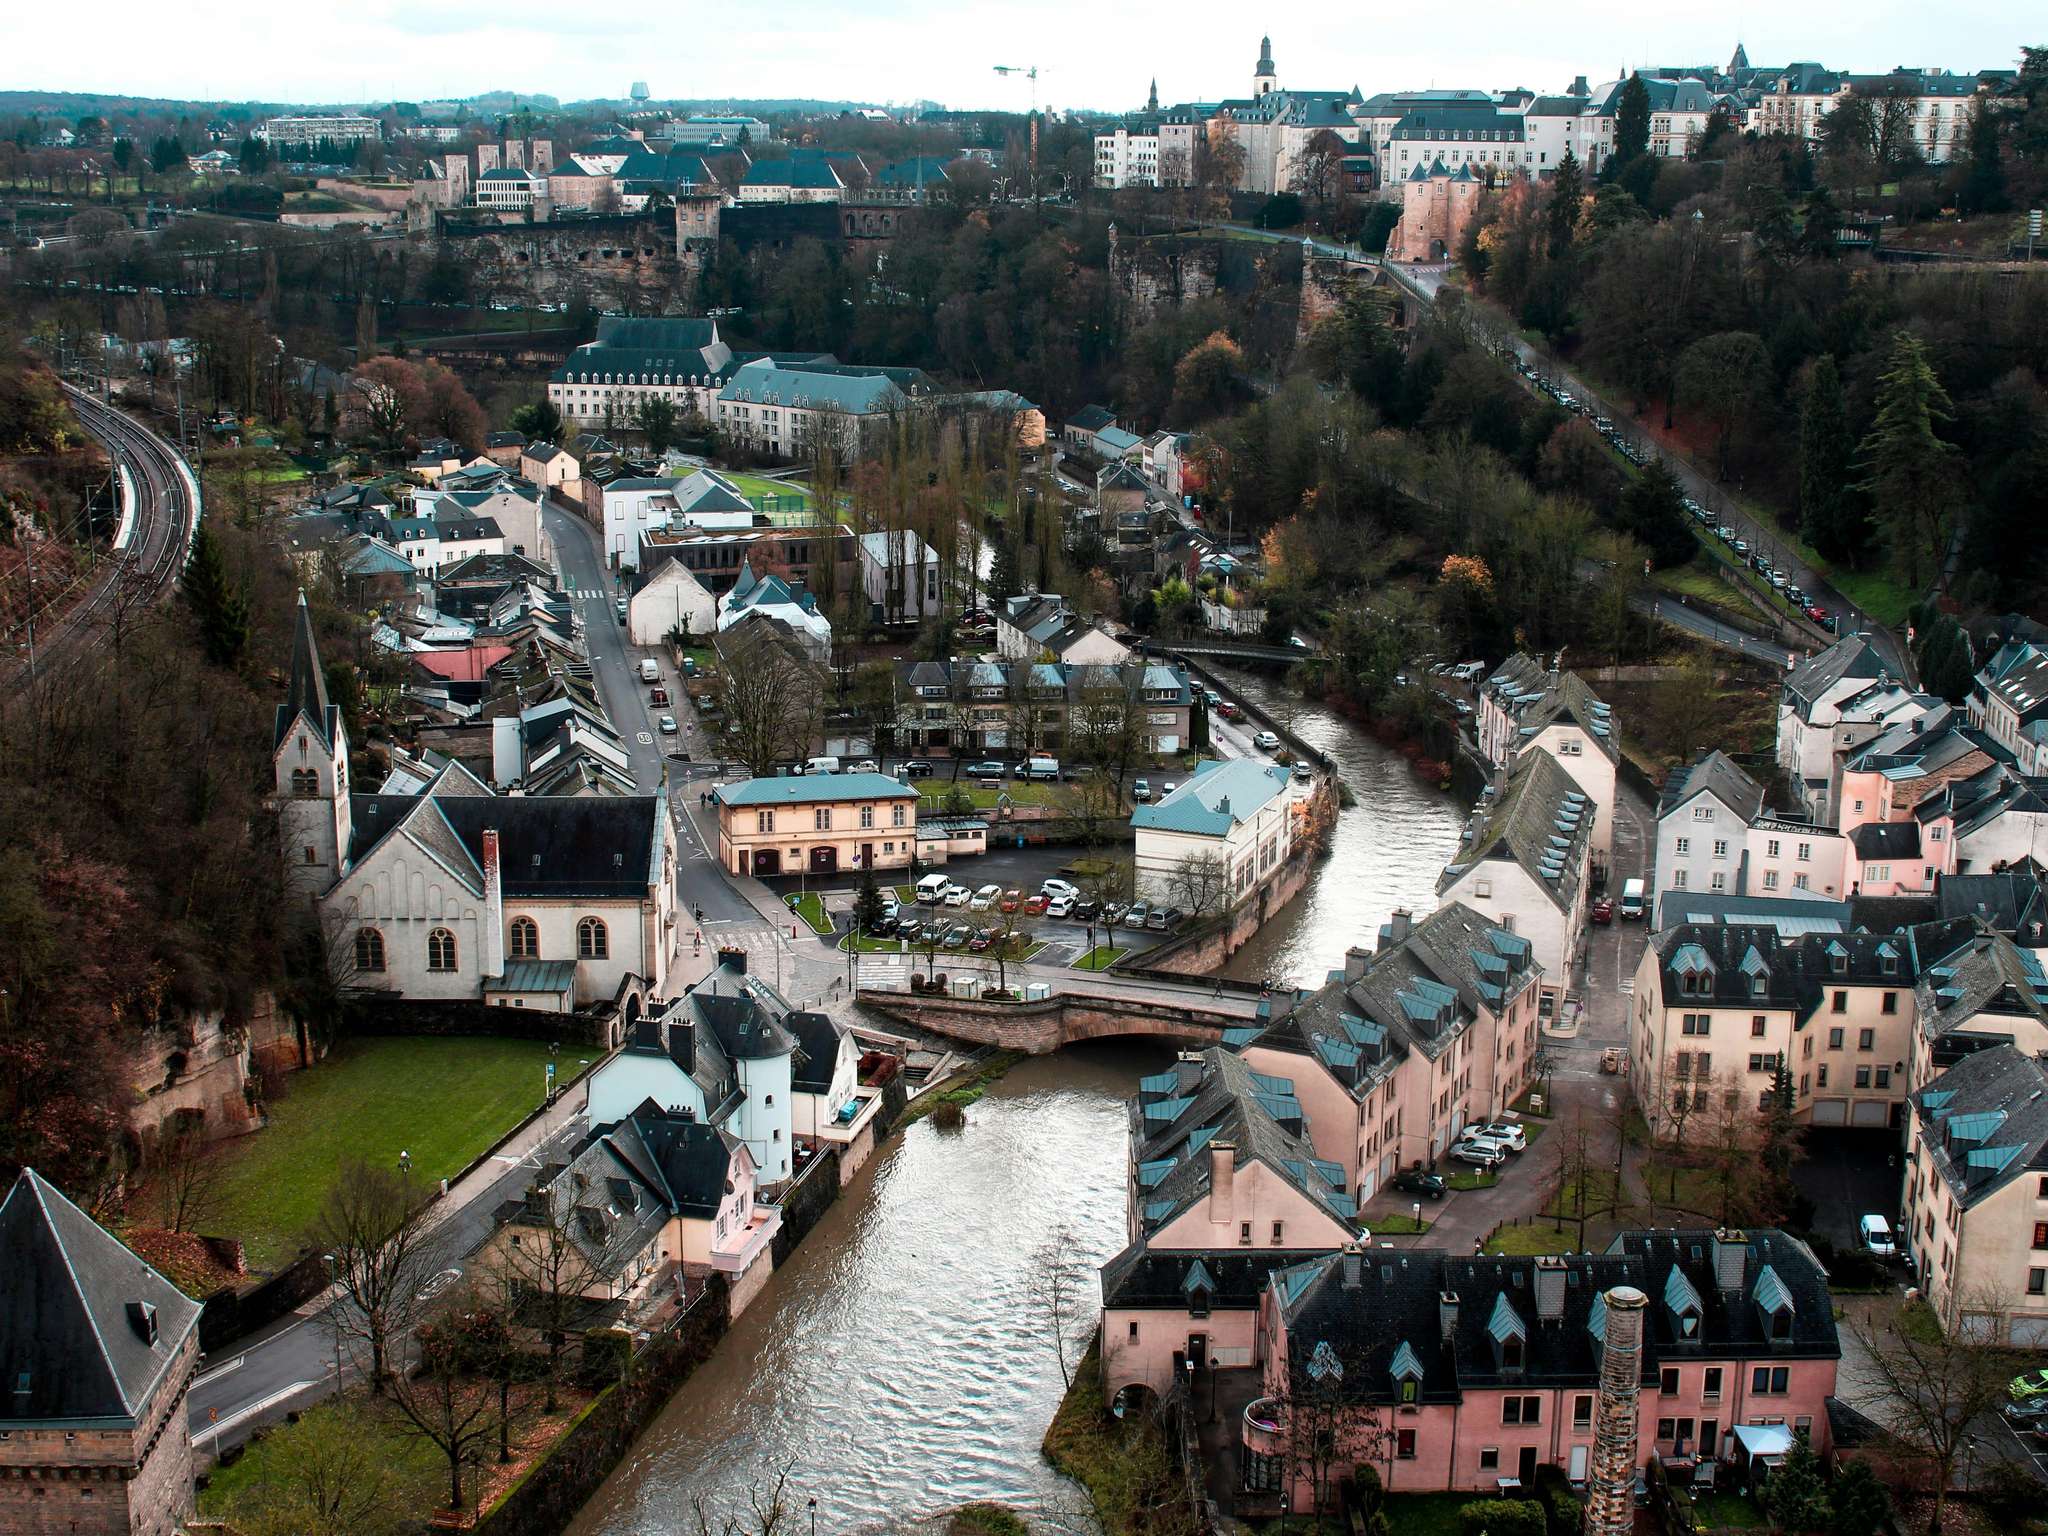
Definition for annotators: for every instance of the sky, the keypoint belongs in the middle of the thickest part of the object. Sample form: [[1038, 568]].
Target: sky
[[1094, 55]]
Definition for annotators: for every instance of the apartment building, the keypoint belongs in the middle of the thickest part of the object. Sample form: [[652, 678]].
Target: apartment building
[[1525, 706], [1238, 815], [820, 822]]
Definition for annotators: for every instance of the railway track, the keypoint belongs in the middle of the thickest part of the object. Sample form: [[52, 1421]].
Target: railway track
[[159, 517]]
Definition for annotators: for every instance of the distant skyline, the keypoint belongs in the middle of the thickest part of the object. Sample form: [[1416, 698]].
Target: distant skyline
[[909, 50]]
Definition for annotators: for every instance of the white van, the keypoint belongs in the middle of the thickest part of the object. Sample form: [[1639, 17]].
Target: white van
[[1632, 901], [650, 670], [1041, 768], [931, 888], [821, 765]]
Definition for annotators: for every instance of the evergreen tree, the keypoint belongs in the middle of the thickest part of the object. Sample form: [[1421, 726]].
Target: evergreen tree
[[867, 906], [656, 417], [1005, 572], [1780, 1148], [1819, 223], [540, 420], [1795, 1495], [1907, 467], [1652, 512], [220, 607], [1631, 121], [1567, 190], [1830, 515], [1946, 664], [1983, 189], [1859, 1504]]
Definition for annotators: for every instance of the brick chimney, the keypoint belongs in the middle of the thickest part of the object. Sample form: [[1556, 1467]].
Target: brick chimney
[[1222, 1172], [1731, 1257], [493, 936], [732, 955], [1447, 1313], [1395, 933], [1610, 1507], [1357, 961], [1550, 1287]]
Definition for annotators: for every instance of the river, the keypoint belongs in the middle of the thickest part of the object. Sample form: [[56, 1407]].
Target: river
[[893, 1362], [1387, 849]]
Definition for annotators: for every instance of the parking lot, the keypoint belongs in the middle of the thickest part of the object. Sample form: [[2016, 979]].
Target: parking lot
[[1848, 1173]]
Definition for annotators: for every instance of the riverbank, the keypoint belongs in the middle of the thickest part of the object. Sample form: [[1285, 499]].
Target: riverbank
[[1122, 1467]]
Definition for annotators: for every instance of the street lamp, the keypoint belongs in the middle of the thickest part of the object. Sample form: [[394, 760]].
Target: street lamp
[[814, 1515]]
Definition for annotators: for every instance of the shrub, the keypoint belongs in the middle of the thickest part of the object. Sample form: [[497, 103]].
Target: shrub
[[1502, 1517], [947, 1115]]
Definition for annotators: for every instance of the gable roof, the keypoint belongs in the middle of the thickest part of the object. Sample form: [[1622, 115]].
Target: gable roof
[[87, 1329], [1852, 657], [1540, 820], [1716, 774], [1984, 1121]]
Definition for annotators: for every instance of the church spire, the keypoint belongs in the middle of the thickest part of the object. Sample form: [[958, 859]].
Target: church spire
[[308, 691], [1152, 101]]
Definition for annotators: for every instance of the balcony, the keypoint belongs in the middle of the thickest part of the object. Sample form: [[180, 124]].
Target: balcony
[[736, 1250], [1263, 1432]]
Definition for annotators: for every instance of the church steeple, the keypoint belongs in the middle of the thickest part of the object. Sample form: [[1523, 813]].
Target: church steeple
[[1152, 101], [310, 762], [1265, 78], [307, 693]]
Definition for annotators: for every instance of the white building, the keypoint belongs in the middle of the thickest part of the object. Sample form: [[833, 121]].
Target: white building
[[774, 597], [1238, 813], [1810, 712], [1127, 158], [899, 573], [670, 599], [510, 189], [455, 893], [1523, 861], [632, 507], [1523, 707], [1714, 835], [340, 128]]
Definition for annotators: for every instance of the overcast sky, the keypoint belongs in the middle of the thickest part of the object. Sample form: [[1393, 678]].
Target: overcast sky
[[1095, 54]]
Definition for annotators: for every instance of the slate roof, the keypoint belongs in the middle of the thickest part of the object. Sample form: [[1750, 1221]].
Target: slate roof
[[306, 692], [1886, 840], [1535, 697], [1450, 1312], [1475, 124], [1852, 656], [548, 845], [1720, 964], [1218, 796], [813, 789], [1968, 977], [87, 1329], [817, 1039], [1984, 1122], [2010, 902], [858, 391], [1540, 820], [1091, 418], [1914, 748], [1138, 1279], [798, 173], [2017, 676], [1717, 774], [674, 345]]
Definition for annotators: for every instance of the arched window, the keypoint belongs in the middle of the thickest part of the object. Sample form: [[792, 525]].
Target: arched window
[[592, 941], [525, 943], [305, 782], [440, 950], [369, 949]]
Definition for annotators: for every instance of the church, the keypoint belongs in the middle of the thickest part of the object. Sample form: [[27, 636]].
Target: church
[[448, 891]]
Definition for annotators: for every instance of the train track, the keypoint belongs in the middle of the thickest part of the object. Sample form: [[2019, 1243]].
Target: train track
[[158, 522]]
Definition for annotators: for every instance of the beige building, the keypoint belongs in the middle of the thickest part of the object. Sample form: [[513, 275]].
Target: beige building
[[820, 822], [1525, 706]]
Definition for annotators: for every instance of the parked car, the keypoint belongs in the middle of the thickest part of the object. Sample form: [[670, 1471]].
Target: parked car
[[1815, 612], [958, 935], [2028, 1417], [1034, 906], [1156, 920], [916, 768], [1139, 914], [1115, 913], [1416, 1181], [985, 898], [1303, 774], [866, 765], [1228, 710], [983, 770], [1174, 918], [657, 697], [1874, 1235], [2028, 1387], [982, 940], [1141, 792], [957, 896], [668, 725], [1266, 741], [1603, 910], [1478, 1153], [1508, 1133], [1055, 886], [1011, 901], [1060, 906]]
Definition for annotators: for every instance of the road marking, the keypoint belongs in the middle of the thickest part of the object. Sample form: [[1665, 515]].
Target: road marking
[[219, 1370], [262, 1405]]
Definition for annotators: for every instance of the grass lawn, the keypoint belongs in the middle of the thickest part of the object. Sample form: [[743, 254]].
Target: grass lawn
[[755, 485], [417, 1467], [1875, 593], [370, 1100], [868, 944], [811, 908], [1723, 1508], [1472, 1178], [1100, 958], [935, 793], [1425, 1514], [1535, 1239], [1399, 1224]]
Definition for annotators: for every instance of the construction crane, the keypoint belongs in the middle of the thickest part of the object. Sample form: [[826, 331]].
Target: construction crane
[[1029, 73]]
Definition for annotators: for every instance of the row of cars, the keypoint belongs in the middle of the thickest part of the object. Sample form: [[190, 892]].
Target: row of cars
[[1055, 898]]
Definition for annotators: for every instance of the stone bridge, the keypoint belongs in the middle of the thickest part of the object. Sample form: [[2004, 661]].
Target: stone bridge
[[1043, 1026]]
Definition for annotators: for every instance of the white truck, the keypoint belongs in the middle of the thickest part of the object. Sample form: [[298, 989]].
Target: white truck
[[650, 670], [1633, 901]]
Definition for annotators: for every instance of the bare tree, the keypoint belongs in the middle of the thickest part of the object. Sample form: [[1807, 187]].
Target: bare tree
[[1199, 884], [373, 1228], [1112, 885], [1060, 1296], [1926, 1384], [185, 1178], [541, 1266], [1730, 1136], [331, 1473], [768, 1510], [445, 1403], [772, 695]]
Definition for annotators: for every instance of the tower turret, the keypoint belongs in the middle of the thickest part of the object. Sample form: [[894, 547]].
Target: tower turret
[[309, 760], [1265, 79]]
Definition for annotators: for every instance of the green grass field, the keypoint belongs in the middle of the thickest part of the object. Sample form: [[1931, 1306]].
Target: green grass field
[[1399, 1224], [1526, 1241], [755, 485], [1100, 958], [936, 792], [444, 1101], [417, 1475], [811, 908]]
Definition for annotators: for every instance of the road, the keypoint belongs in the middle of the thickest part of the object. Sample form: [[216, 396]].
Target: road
[[167, 497]]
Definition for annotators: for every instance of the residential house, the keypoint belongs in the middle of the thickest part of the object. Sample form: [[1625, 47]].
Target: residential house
[[633, 506], [1975, 989], [792, 606], [1396, 1053], [1226, 831], [899, 576], [820, 822], [1450, 1372], [2009, 702], [793, 181], [723, 1053], [1523, 862], [669, 599], [1887, 777], [1078, 431], [1524, 705], [99, 1352], [1031, 626], [1714, 834], [1994, 820], [1809, 712], [551, 467], [457, 893], [1044, 706]]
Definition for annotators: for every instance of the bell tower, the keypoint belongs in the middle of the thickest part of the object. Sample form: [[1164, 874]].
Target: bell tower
[[309, 759], [1265, 80]]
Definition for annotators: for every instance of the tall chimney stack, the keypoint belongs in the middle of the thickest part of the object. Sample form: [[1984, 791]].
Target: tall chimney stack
[[1610, 1506], [1731, 1256], [1222, 1170], [1395, 933]]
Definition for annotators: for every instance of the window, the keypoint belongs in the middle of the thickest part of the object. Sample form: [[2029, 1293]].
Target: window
[[1799, 883], [1133, 1334], [1703, 813], [1678, 879], [1667, 1384], [1805, 852], [1765, 1061], [2037, 1282], [525, 939], [1489, 1458], [1770, 879], [1769, 1380], [896, 815], [440, 950], [1695, 1023], [1404, 1441], [1684, 846], [1720, 847], [1719, 882], [1822, 1071], [1863, 1077], [370, 952], [1582, 1411], [1834, 1039], [1884, 1077], [1244, 1233], [2041, 1234], [764, 821], [1277, 1227], [1756, 1026], [821, 819], [1521, 1410], [1891, 1003], [305, 782], [1710, 1384], [592, 941], [1840, 1004], [1667, 1429]]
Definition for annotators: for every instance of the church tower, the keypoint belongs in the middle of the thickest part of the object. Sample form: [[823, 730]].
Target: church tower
[[1265, 80], [310, 763], [1152, 101]]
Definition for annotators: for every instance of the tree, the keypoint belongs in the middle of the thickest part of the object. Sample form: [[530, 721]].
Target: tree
[[772, 696], [1908, 470], [1567, 193], [166, 153], [1725, 376], [656, 418], [1059, 1290], [373, 1226], [1653, 513], [1859, 1503], [1796, 1496], [184, 1178], [1687, 707], [1778, 1148], [330, 1471], [1631, 124], [1947, 662], [539, 420], [1319, 171], [220, 605], [1112, 885], [1983, 189], [445, 1404], [1199, 884], [1926, 1380], [1830, 513], [545, 1274], [867, 906]]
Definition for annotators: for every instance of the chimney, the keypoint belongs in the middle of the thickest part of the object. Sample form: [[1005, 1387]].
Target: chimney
[[1353, 1261], [1357, 961], [493, 925], [1447, 1313], [732, 955], [1550, 1284], [1395, 932], [1222, 1169], [1731, 1254], [1610, 1508]]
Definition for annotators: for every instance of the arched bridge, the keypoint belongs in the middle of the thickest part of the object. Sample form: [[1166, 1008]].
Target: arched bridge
[[1194, 1015]]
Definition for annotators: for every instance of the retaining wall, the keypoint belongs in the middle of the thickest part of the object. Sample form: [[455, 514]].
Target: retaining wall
[[1040, 1028], [407, 1016]]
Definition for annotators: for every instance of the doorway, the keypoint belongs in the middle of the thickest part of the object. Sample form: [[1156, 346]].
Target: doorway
[[824, 860], [1526, 1469]]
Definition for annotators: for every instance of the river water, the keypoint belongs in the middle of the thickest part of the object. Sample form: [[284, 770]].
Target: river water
[[1387, 849], [893, 1362]]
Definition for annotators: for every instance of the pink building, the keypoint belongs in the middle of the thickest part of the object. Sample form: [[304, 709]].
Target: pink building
[[1438, 207], [1454, 1373]]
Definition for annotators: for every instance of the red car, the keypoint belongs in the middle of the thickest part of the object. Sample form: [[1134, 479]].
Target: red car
[[1227, 710], [1603, 911], [1815, 612], [1037, 904]]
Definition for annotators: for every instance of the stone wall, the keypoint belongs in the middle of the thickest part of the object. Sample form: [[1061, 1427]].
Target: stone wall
[[1163, 272], [455, 1016], [625, 262], [1326, 283], [199, 1066], [1040, 1028], [1205, 953]]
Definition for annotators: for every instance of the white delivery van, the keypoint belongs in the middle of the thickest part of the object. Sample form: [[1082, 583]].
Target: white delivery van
[[821, 765], [1632, 901], [1042, 768], [931, 888], [650, 671]]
